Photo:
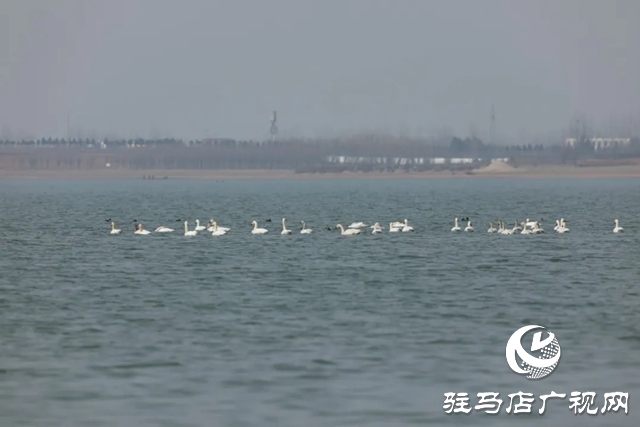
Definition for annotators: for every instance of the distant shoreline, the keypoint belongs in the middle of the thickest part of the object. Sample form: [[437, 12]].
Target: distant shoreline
[[564, 171]]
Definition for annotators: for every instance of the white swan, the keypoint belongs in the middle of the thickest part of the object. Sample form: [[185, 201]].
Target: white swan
[[163, 229], [199, 227], [456, 227], [407, 227], [518, 227], [141, 230], [526, 230], [536, 228], [397, 224], [557, 226], [529, 223], [257, 230], [114, 230], [469, 227], [188, 232], [501, 228], [505, 230], [284, 227], [491, 229], [617, 228], [358, 224], [217, 231], [211, 228], [348, 232], [305, 230], [563, 227], [377, 225], [393, 229], [377, 228]]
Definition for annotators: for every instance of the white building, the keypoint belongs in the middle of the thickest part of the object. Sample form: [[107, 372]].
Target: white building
[[400, 161], [601, 143]]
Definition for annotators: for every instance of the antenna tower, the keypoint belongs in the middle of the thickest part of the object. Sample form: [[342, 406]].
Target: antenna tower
[[492, 126], [274, 128]]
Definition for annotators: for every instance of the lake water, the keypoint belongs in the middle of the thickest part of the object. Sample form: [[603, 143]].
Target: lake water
[[310, 330]]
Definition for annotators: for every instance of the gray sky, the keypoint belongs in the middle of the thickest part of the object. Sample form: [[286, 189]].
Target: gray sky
[[195, 68]]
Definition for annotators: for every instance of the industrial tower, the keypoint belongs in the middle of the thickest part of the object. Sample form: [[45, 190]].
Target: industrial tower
[[274, 128], [492, 126]]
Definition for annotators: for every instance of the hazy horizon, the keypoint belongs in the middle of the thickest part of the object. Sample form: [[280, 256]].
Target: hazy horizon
[[217, 69]]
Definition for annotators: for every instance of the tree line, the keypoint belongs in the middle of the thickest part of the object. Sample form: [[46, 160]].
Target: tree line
[[375, 146], [298, 154]]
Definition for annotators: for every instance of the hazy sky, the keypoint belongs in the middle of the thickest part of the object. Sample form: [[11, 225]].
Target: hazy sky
[[195, 68]]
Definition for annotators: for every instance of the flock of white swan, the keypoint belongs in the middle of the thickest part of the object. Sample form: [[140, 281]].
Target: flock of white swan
[[526, 227]]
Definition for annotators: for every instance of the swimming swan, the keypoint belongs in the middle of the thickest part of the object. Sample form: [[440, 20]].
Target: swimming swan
[[359, 224], [501, 228], [491, 229], [217, 231], [114, 230], [617, 228], [397, 224], [257, 230], [348, 232], [407, 227], [469, 227], [505, 230], [188, 232], [211, 228], [536, 229], [304, 229], [562, 227], [163, 229], [199, 227], [284, 227], [456, 227], [394, 229], [141, 230]]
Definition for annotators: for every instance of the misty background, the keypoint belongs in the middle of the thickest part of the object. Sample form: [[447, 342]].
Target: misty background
[[202, 68]]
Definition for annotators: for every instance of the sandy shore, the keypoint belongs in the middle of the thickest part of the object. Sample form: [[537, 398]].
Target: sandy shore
[[630, 171]]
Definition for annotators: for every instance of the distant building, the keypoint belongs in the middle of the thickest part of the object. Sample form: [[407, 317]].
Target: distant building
[[402, 161], [457, 160], [600, 143]]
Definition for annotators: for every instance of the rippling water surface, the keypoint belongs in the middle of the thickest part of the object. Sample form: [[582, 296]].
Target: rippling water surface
[[309, 330]]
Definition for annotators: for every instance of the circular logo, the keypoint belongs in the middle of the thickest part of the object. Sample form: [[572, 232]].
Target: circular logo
[[545, 353]]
